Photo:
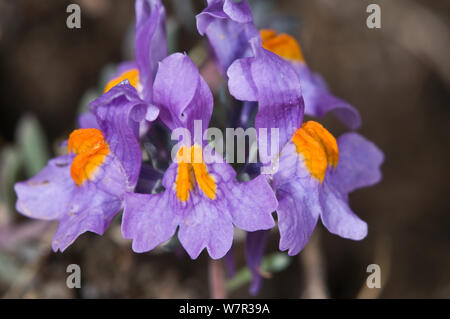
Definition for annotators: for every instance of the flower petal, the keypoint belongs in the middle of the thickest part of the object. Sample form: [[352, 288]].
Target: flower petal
[[255, 245], [53, 182], [181, 93], [150, 41], [204, 222], [149, 220], [90, 206], [240, 83], [228, 26], [337, 216], [87, 120], [243, 199], [298, 212], [93, 205], [272, 82], [359, 164], [238, 11], [319, 101], [205, 225], [119, 112], [209, 223], [247, 209], [298, 201], [53, 195]]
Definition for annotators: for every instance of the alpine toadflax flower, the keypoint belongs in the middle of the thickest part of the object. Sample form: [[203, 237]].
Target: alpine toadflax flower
[[202, 196], [85, 189], [270, 81], [230, 30], [315, 175], [318, 99], [308, 177], [228, 26], [313, 172], [150, 48]]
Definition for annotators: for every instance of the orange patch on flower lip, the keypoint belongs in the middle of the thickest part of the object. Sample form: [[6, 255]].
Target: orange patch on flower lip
[[318, 147], [191, 169], [184, 182], [131, 75], [282, 44], [91, 149]]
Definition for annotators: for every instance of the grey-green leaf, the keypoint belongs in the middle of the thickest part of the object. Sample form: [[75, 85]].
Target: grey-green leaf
[[273, 263], [32, 143], [10, 164]]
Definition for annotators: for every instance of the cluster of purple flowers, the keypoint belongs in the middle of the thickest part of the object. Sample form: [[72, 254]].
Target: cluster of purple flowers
[[203, 200]]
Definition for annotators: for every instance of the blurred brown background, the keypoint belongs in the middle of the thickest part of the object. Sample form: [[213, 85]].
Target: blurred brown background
[[397, 76]]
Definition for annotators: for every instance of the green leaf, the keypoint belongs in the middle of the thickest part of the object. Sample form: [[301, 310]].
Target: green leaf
[[273, 263], [185, 13], [9, 269], [173, 33], [86, 98], [33, 146], [241, 278], [106, 73], [199, 53], [276, 262], [10, 164]]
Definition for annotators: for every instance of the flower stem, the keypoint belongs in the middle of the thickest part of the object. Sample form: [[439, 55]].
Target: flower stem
[[314, 273], [216, 279]]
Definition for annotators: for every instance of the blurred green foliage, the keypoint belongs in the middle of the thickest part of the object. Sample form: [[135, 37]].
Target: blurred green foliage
[[10, 163], [271, 264], [32, 144]]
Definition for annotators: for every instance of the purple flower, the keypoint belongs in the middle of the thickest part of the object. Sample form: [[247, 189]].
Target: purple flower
[[316, 173], [310, 180], [150, 48], [202, 196], [273, 83], [150, 42], [315, 176], [231, 33], [228, 26], [255, 245], [302, 172], [85, 189], [318, 99]]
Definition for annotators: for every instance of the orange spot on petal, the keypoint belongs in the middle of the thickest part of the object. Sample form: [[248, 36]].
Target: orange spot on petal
[[91, 149], [326, 139], [204, 179], [184, 181], [131, 75], [282, 44], [192, 171], [318, 148]]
